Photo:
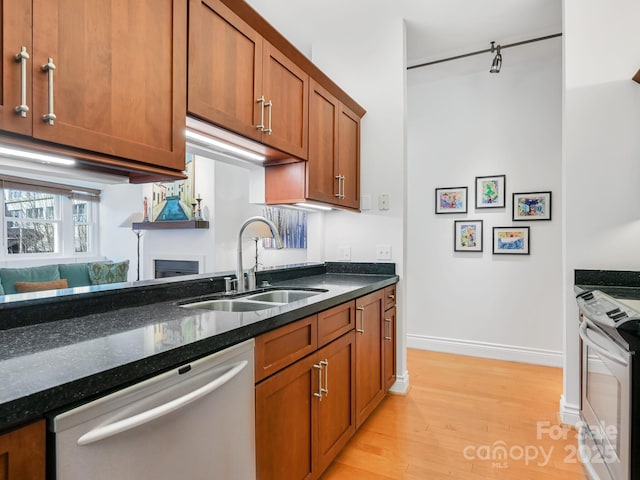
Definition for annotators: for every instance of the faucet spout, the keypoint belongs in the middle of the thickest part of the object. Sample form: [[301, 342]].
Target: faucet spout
[[239, 270]]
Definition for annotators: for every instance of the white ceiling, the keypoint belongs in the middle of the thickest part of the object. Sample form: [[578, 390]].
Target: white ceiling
[[435, 28]]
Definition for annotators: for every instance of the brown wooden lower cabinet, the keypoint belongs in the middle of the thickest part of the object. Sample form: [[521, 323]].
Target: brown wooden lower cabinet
[[305, 414], [369, 354], [22, 453]]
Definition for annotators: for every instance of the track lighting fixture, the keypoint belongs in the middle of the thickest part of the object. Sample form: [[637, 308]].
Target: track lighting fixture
[[497, 60], [496, 65]]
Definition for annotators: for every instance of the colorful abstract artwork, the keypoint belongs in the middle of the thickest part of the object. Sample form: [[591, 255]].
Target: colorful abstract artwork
[[532, 206], [451, 200], [467, 236], [490, 191], [511, 240]]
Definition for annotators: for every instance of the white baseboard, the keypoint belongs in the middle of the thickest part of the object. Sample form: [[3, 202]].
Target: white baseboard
[[569, 412], [535, 356], [401, 385]]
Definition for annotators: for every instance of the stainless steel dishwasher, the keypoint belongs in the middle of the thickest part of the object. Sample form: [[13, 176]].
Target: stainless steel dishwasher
[[195, 422]]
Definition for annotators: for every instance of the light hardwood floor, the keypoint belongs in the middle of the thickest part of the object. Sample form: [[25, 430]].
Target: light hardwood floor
[[456, 416]]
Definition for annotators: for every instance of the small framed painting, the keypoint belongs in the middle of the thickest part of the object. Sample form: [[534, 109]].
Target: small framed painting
[[511, 240], [451, 200], [490, 191], [467, 236], [532, 206]]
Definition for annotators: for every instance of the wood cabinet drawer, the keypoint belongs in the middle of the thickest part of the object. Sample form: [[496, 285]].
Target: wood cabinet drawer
[[335, 322], [389, 296], [276, 349]]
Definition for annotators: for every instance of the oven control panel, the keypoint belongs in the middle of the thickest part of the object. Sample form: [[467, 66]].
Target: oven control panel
[[606, 310]]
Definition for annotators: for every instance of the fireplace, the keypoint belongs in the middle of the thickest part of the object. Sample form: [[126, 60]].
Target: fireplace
[[175, 268]]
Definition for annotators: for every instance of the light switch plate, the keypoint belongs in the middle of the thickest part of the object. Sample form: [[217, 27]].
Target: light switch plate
[[344, 253]]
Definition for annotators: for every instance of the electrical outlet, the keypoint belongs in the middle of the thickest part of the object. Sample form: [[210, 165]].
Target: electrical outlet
[[383, 201], [383, 252], [344, 254]]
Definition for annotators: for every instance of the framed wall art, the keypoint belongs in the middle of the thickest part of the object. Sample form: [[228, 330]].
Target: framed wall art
[[511, 240], [451, 200], [490, 191], [532, 206], [467, 235]]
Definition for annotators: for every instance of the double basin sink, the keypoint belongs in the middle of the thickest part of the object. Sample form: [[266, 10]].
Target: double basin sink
[[251, 302]]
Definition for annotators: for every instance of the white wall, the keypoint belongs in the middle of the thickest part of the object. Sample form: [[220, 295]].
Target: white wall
[[601, 156], [481, 124]]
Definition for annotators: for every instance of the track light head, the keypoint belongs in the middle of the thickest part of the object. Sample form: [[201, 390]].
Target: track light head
[[496, 65]]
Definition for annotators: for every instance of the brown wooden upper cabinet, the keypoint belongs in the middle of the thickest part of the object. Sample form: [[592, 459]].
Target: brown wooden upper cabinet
[[103, 76], [332, 173], [239, 81]]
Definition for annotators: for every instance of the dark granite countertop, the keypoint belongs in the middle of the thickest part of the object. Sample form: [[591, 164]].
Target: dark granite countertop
[[52, 366]]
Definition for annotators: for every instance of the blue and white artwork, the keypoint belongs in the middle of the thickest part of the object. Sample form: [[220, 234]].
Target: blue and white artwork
[[291, 224]]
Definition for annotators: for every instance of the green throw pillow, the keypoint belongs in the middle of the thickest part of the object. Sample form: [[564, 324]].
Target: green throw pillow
[[104, 272], [77, 274]]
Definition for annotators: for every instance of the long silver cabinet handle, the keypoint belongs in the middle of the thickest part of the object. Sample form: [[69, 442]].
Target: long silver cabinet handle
[[260, 126], [388, 322], [269, 105], [339, 194], [344, 194], [49, 67], [325, 364], [319, 392], [109, 430], [22, 57], [361, 330]]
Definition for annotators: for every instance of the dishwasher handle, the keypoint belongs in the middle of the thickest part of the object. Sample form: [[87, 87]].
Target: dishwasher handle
[[109, 430]]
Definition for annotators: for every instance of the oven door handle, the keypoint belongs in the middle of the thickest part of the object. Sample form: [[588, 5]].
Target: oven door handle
[[601, 350]]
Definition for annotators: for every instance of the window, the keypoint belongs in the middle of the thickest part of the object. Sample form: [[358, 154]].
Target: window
[[45, 219], [33, 221]]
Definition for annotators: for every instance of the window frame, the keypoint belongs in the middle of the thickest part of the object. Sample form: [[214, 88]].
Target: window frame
[[64, 224]]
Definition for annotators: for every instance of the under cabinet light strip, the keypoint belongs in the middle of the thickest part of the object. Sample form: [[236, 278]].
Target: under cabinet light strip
[[34, 156], [203, 139], [311, 205]]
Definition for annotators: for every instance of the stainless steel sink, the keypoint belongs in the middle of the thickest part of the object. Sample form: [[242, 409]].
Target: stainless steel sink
[[282, 296], [238, 305], [253, 302]]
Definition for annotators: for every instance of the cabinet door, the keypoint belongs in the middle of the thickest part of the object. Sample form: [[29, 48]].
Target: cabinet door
[[285, 87], [22, 453], [336, 417], [117, 88], [285, 416], [369, 355], [16, 33], [225, 67], [389, 333], [322, 165], [349, 157]]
